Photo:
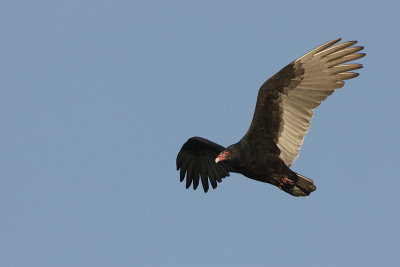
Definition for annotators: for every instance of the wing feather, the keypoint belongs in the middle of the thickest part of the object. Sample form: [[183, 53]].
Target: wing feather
[[198, 172], [189, 174], [182, 174]]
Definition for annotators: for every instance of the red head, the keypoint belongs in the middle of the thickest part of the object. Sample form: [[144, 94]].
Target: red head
[[223, 156]]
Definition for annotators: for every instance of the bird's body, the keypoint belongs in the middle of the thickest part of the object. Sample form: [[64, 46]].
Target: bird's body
[[281, 119]]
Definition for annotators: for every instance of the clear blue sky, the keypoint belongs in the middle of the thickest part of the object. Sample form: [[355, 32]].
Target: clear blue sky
[[97, 97]]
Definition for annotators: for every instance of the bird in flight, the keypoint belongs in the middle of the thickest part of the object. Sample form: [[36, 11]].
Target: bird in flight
[[281, 119]]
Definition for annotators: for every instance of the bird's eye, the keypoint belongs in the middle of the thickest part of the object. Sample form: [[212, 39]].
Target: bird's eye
[[225, 154]]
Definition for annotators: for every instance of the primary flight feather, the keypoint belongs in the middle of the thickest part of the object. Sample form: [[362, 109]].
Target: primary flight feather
[[282, 117]]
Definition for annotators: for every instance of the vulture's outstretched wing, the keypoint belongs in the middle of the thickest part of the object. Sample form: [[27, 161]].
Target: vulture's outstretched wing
[[196, 159], [286, 101]]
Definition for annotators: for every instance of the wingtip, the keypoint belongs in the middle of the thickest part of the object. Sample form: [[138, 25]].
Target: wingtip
[[334, 41]]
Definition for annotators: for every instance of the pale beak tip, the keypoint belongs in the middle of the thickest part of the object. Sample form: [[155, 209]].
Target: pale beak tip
[[217, 160]]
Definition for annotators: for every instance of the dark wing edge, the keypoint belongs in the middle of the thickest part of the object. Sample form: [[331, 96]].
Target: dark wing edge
[[196, 161], [286, 101]]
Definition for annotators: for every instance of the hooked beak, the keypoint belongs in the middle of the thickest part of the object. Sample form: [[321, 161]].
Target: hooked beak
[[219, 158]]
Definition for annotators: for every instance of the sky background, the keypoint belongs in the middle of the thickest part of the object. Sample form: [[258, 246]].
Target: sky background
[[97, 98]]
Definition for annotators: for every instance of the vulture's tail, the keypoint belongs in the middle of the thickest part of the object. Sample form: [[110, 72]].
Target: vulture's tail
[[302, 187]]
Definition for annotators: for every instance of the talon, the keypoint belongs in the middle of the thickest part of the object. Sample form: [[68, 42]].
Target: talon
[[285, 181]]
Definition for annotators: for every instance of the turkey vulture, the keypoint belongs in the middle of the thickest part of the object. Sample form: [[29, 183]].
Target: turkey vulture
[[281, 119]]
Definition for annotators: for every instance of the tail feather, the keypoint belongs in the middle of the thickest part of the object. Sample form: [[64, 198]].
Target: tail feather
[[302, 187]]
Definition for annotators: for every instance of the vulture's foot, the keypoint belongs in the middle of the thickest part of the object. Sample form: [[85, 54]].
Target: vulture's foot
[[285, 182]]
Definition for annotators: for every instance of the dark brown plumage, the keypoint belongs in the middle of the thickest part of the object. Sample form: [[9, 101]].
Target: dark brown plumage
[[281, 119]]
